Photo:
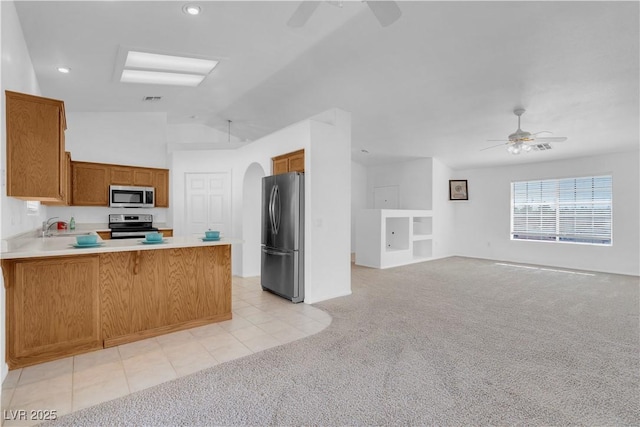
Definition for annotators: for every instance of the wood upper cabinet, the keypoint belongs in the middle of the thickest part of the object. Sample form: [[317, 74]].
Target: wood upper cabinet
[[143, 177], [161, 184], [90, 184], [290, 162], [52, 308], [66, 196], [121, 175], [132, 175], [35, 147]]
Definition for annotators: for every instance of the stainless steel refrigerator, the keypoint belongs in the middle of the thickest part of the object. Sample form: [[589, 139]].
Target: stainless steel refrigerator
[[282, 267]]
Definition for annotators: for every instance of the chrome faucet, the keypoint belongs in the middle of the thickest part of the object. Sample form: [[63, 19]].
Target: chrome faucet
[[46, 226]]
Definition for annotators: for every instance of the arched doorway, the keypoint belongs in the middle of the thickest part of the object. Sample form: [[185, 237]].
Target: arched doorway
[[251, 217]]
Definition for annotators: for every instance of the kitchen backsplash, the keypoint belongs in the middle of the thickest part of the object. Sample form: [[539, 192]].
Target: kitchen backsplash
[[97, 215]]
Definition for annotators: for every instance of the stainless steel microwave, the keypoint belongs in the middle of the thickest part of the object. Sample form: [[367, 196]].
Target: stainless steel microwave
[[122, 196]]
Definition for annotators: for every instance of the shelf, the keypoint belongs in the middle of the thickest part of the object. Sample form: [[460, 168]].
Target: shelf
[[422, 249], [417, 237], [393, 237]]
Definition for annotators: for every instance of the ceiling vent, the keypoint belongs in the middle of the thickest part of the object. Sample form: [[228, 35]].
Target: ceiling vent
[[542, 147], [151, 98]]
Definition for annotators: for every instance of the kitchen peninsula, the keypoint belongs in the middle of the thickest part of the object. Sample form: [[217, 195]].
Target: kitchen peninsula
[[63, 300]]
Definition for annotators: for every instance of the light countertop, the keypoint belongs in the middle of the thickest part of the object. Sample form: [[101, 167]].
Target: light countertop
[[60, 246]]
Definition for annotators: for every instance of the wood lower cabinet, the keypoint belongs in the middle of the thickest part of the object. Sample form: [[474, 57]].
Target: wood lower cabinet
[[35, 147], [106, 235], [290, 162], [166, 232], [149, 293], [61, 306], [53, 308]]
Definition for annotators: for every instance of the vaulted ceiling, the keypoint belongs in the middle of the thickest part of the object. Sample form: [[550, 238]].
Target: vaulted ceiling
[[438, 82]]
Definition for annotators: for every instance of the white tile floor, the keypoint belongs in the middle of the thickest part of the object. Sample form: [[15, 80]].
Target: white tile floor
[[260, 320]]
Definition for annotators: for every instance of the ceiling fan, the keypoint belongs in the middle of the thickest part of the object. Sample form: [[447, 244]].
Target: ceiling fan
[[386, 12], [521, 140]]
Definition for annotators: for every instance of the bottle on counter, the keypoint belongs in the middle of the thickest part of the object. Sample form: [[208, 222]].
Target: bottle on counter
[[72, 224]]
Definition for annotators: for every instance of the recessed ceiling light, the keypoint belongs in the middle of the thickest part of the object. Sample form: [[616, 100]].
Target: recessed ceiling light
[[191, 9], [64, 70], [159, 78], [155, 61]]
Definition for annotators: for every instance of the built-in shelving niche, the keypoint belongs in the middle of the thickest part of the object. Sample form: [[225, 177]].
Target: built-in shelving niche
[[393, 237]]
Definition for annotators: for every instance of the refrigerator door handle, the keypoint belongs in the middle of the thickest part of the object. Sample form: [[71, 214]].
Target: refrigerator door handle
[[278, 253], [271, 207], [276, 208]]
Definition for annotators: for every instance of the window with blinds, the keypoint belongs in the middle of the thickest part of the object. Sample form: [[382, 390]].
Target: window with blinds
[[574, 210]]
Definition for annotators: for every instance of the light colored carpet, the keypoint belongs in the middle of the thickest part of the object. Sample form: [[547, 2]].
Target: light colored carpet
[[456, 341]]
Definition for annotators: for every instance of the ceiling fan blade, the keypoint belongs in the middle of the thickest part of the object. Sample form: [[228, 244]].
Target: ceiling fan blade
[[550, 139], [494, 146], [303, 13], [387, 12], [542, 131]]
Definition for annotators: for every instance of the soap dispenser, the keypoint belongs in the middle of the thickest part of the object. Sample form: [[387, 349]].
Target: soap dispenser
[[72, 224]]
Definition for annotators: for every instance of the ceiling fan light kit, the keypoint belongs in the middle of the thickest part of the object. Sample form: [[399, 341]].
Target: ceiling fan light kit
[[523, 141]]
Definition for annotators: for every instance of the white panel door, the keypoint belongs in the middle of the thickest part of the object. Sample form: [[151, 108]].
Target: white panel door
[[208, 202]]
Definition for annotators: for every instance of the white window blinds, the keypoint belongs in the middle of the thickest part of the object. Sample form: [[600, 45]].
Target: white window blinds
[[575, 210]]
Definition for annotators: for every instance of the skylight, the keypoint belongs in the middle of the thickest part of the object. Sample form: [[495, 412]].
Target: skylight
[[160, 78], [153, 68]]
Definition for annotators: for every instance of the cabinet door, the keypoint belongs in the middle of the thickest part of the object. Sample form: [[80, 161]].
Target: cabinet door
[[66, 195], [161, 184], [280, 166], [53, 309], [90, 184], [296, 161], [35, 147], [142, 177], [148, 291], [116, 279], [216, 287], [121, 175]]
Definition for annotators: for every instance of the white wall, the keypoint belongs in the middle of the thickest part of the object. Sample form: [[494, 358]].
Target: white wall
[[135, 139], [17, 74], [251, 220], [358, 196], [482, 224], [443, 211], [328, 261], [413, 179]]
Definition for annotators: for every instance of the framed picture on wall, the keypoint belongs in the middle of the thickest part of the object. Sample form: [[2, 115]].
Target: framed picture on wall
[[458, 189]]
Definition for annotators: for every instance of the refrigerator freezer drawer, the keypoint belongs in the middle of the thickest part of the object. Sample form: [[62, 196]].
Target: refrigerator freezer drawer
[[281, 273]]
